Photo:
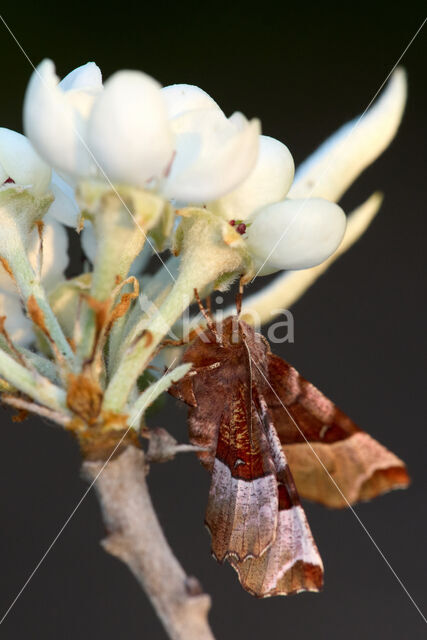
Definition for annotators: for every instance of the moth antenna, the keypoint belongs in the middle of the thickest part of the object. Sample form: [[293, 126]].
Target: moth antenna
[[239, 297], [209, 305], [208, 317]]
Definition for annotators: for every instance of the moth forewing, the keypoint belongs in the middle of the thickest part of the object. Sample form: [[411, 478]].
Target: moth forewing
[[252, 412]]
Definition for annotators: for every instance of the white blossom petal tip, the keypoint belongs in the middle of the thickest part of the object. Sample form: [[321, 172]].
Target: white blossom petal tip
[[20, 163], [337, 163], [295, 234], [186, 97], [53, 122], [268, 182], [213, 155], [88, 77], [128, 130]]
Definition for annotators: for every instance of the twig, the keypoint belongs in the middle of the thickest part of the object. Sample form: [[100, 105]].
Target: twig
[[135, 536], [33, 407]]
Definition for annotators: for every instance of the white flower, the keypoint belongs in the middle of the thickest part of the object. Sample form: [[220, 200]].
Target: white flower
[[280, 233], [268, 182], [213, 154], [20, 166], [180, 98], [176, 140], [336, 164], [55, 116], [328, 173], [295, 234]]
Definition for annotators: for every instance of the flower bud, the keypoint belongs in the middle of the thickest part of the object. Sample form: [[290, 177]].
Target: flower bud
[[295, 234]]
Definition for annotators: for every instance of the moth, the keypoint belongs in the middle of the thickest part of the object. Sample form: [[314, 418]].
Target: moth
[[268, 437]]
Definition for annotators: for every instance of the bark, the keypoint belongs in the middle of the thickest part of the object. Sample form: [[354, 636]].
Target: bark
[[135, 536]]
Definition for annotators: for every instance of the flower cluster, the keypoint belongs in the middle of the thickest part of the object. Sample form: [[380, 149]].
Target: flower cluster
[[137, 169], [177, 142], [128, 161]]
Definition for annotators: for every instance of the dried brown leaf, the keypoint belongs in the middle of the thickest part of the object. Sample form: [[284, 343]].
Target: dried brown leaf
[[84, 397]]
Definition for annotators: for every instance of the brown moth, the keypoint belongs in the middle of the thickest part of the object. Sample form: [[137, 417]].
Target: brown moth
[[266, 432]]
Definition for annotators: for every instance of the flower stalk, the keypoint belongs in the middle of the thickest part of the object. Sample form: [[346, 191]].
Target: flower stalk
[[210, 249], [121, 219], [28, 382]]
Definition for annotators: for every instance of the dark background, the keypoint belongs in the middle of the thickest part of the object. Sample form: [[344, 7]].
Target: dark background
[[360, 332]]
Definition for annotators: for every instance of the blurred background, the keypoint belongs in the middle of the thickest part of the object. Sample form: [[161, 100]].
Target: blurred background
[[359, 333]]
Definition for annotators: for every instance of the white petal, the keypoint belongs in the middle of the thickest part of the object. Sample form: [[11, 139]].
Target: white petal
[[55, 252], [337, 163], [64, 208], [53, 124], [268, 182], [3, 174], [288, 287], [17, 324], [186, 97], [295, 234], [129, 132], [88, 77], [21, 163], [213, 155]]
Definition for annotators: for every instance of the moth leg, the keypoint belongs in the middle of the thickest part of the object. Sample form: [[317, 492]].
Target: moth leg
[[206, 313], [239, 297], [209, 305], [194, 333]]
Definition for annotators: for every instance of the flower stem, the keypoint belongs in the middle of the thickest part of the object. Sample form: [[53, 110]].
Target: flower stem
[[120, 220], [29, 285], [205, 257], [37, 387]]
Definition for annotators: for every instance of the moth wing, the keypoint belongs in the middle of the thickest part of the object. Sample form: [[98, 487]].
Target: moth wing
[[292, 563], [327, 443], [242, 507]]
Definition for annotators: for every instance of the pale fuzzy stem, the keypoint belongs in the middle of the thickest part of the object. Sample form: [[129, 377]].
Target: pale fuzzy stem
[[205, 257], [156, 288], [135, 324], [29, 285], [135, 537], [44, 366], [138, 355], [287, 288], [37, 387], [119, 241], [121, 220], [154, 391]]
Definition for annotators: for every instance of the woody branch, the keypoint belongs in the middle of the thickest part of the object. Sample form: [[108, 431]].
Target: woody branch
[[136, 537]]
